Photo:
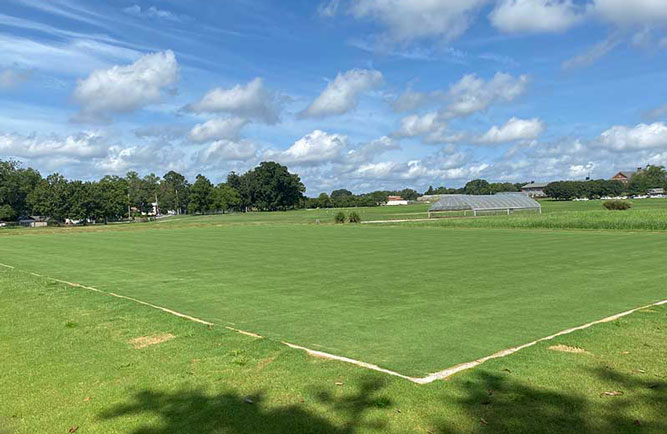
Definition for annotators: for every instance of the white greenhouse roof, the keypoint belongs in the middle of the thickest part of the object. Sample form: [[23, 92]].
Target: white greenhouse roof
[[462, 202]]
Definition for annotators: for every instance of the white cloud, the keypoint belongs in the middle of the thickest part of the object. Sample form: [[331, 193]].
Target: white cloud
[[126, 88], [315, 148], [252, 100], [328, 8], [411, 100], [514, 129], [472, 94], [417, 125], [227, 150], [218, 128], [83, 145], [152, 12], [631, 12], [420, 169], [593, 54], [581, 170], [639, 137], [10, 77], [79, 55], [408, 20], [342, 94], [371, 150], [517, 16], [145, 158], [385, 169]]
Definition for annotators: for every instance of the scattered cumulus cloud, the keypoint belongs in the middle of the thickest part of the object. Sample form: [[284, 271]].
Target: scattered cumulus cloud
[[634, 12], [227, 150], [251, 100], [473, 94], [533, 16], [218, 128], [153, 12], [122, 89], [513, 130], [407, 21], [315, 148], [411, 100], [639, 137], [417, 125], [81, 145], [369, 151], [342, 94]]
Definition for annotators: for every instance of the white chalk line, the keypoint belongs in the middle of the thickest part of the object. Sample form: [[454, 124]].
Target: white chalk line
[[440, 375]]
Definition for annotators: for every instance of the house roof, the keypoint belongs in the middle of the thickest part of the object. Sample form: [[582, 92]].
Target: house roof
[[626, 174], [536, 185]]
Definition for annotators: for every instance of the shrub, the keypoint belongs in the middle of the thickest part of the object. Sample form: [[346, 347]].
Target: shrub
[[340, 217], [619, 205], [355, 218]]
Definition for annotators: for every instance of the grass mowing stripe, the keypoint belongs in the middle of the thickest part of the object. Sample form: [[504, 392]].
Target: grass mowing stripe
[[407, 300], [441, 375]]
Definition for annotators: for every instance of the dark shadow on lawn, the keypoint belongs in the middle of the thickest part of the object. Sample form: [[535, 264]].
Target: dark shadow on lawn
[[189, 411], [499, 403]]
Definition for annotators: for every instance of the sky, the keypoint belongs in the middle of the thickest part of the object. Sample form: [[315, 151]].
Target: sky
[[356, 94]]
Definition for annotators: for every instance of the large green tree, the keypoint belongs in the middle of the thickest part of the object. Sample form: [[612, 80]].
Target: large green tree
[[225, 198], [201, 196], [16, 184], [50, 197], [174, 191], [644, 180], [272, 187], [113, 199]]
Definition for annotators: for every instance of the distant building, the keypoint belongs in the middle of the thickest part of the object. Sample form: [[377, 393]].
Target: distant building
[[396, 200], [626, 175], [656, 192], [34, 221], [534, 189]]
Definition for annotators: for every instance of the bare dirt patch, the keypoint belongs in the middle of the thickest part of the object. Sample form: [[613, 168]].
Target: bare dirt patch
[[146, 341], [568, 349]]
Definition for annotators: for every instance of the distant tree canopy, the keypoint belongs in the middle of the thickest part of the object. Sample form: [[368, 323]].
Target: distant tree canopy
[[593, 189], [269, 186], [644, 180]]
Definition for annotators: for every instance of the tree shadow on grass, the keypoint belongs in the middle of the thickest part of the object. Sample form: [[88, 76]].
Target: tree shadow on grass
[[499, 403], [195, 411]]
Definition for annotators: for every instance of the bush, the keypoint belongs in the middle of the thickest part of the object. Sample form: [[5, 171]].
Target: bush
[[619, 205], [355, 218], [340, 217]]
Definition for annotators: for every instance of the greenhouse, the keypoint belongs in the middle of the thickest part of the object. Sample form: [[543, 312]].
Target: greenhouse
[[501, 202]]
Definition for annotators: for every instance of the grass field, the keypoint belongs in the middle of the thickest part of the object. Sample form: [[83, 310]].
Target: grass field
[[67, 363], [414, 300]]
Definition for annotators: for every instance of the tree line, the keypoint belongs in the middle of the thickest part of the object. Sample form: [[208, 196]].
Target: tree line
[[640, 183], [23, 192]]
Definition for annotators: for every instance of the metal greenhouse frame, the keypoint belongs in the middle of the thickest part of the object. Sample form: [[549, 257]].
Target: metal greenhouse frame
[[484, 203]]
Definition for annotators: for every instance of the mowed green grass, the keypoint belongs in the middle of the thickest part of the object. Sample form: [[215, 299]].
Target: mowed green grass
[[67, 363], [415, 300]]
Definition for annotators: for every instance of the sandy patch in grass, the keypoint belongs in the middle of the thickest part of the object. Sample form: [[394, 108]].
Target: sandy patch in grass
[[146, 341], [568, 349]]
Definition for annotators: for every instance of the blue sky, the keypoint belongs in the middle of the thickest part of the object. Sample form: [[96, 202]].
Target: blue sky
[[363, 94]]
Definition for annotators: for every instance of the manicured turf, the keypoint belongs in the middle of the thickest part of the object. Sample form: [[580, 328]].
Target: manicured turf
[[415, 300], [67, 364]]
